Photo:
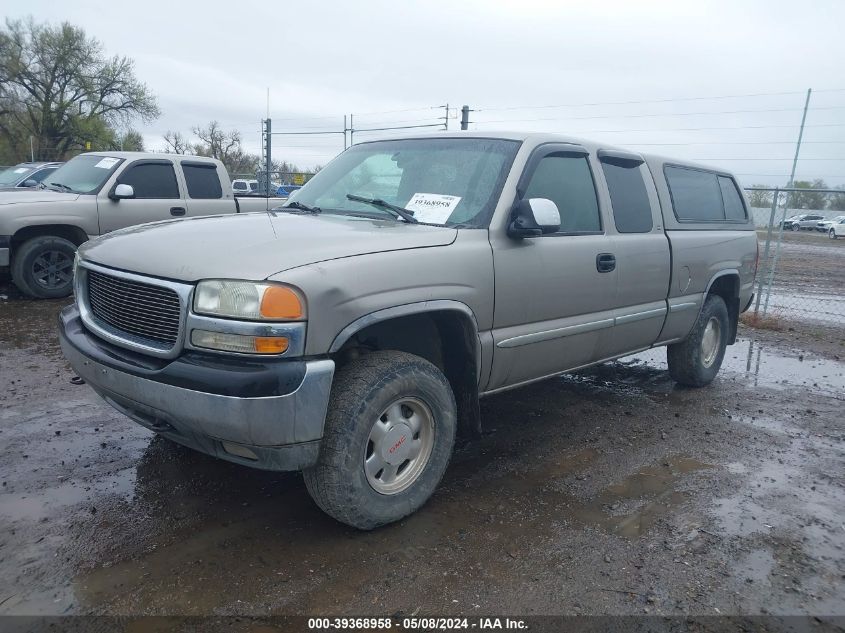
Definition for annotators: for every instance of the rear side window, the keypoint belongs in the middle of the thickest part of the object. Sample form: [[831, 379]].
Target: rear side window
[[629, 197], [568, 182], [152, 180], [696, 195], [39, 176], [202, 181], [734, 209], [240, 186]]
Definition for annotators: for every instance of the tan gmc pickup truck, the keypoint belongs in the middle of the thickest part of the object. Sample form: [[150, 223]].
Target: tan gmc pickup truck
[[351, 333], [99, 192]]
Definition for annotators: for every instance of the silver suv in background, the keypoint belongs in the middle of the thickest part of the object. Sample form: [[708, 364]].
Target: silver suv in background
[[351, 333]]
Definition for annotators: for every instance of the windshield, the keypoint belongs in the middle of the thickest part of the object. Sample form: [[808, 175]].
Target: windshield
[[13, 175], [447, 181], [83, 174]]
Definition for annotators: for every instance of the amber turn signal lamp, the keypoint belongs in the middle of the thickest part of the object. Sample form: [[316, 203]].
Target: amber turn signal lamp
[[279, 302]]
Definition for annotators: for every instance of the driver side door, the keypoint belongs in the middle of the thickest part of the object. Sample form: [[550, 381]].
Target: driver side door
[[555, 293], [157, 196]]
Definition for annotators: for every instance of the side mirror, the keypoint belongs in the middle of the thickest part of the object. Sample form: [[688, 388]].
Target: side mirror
[[122, 191], [533, 217], [29, 183]]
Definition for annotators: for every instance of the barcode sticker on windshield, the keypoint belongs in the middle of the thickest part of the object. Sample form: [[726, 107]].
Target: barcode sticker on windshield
[[107, 163], [432, 207]]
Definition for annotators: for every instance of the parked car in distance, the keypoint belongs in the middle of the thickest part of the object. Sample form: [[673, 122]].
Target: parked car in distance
[[802, 221], [837, 229], [99, 192], [824, 225], [26, 175], [284, 191], [241, 186], [350, 333]]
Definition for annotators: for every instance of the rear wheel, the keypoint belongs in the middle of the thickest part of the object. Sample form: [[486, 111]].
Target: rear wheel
[[696, 361], [796, 227], [388, 438], [43, 267]]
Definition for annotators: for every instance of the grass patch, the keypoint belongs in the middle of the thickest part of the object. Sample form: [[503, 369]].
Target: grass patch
[[769, 322]]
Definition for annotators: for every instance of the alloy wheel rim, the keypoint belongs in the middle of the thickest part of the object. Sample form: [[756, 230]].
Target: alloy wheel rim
[[399, 446], [710, 342], [52, 269]]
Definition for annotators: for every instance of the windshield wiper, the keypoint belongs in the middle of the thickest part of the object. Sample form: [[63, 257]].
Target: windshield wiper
[[62, 187], [293, 204], [383, 204]]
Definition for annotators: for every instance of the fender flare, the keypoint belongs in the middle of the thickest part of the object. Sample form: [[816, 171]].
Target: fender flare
[[420, 307]]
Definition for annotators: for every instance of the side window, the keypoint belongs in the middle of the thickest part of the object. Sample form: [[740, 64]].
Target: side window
[[203, 182], [734, 209], [629, 197], [152, 181], [568, 182], [696, 195], [39, 176]]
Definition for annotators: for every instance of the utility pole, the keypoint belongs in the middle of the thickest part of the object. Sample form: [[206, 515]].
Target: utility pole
[[445, 118], [344, 132], [268, 131], [351, 131], [465, 117], [31, 150]]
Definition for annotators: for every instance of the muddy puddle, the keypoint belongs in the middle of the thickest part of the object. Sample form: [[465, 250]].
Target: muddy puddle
[[749, 360], [287, 543]]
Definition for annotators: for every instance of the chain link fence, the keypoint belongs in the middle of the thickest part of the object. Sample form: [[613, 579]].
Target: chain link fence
[[801, 272]]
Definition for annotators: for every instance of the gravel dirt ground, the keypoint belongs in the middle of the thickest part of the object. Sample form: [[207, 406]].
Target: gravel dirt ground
[[611, 491]]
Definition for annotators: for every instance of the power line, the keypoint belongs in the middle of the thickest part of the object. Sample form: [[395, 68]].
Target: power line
[[695, 129], [582, 105], [661, 114]]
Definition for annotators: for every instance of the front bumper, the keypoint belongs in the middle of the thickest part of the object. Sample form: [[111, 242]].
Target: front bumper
[[263, 413]]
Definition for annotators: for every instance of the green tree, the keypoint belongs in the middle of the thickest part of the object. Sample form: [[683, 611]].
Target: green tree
[[837, 200], [808, 199], [58, 87]]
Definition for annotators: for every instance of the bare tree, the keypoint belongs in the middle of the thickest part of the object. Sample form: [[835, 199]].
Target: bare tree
[[176, 143], [759, 199]]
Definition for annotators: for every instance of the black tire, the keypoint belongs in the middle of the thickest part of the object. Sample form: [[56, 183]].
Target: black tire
[[796, 227], [42, 267], [362, 391], [688, 364], [832, 233]]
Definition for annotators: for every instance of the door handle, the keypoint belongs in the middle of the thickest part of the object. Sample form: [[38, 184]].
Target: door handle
[[605, 262], [177, 210]]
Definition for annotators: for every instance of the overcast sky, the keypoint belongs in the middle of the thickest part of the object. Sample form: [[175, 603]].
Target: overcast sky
[[397, 61]]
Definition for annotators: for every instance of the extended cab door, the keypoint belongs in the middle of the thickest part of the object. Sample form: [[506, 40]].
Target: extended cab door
[[209, 193], [157, 196], [643, 259], [555, 294]]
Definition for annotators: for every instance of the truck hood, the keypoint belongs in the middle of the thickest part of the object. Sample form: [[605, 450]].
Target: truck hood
[[39, 196], [253, 245]]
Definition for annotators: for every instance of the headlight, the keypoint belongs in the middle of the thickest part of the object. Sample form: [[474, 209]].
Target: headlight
[[252, 301]]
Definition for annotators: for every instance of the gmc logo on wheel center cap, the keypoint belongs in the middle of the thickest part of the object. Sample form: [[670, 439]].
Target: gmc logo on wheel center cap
[[397, 445]]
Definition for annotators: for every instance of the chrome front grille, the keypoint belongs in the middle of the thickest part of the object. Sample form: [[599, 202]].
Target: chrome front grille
[[141, 313]]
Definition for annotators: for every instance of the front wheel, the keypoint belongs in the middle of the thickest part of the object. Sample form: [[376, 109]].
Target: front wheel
[[389, 434], [832, 233], [42, 267], [796, 227], [695, 361]]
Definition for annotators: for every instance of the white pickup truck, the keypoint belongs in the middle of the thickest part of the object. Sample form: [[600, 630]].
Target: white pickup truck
[[99, 192]]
